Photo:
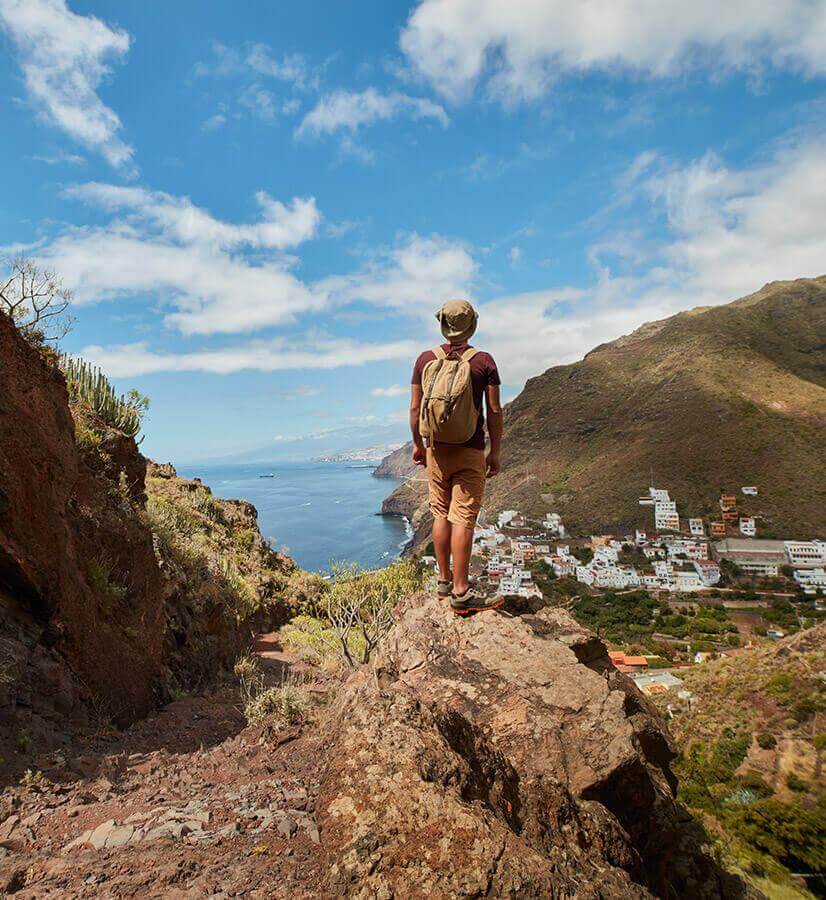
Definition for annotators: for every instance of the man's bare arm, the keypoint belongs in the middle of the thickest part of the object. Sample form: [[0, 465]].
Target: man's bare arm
[[494, 416], [419, 454]]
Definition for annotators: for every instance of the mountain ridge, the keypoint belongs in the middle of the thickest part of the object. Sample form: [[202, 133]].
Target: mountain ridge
[[710, 398]]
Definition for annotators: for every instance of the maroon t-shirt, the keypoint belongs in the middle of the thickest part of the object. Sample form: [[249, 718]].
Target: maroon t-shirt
[[483, 372]]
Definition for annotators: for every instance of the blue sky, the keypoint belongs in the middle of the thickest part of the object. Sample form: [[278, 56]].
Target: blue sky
[[260, 206]]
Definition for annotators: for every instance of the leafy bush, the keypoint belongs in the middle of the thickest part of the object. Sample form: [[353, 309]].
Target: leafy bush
[[289, 704], [315, 641], [304, 592], [790, 832], [795, 783], [87, 438], [239, 594], [766, 741], [360, 603]]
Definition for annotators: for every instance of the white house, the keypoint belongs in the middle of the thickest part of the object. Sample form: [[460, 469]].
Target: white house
[[748, 526], [665, 516], [749, 491], [640, 537], [811, 580], [585, 574], [553, 523], [708, 571], [505, 516], [688, 580], [509, 587], [806, 553], [696, 527]]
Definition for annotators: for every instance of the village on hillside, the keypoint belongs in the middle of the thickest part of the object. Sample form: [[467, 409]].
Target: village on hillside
[[691, 588]]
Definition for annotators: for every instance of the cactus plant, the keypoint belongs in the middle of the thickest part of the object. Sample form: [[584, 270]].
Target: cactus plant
[[89, 384]]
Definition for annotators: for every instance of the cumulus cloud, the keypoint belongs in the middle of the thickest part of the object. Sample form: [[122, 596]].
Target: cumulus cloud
[[414, 277], [178, 219], [729, 231], [166, 246], [274, 355], [64, 58], [518, 49], [351, 110], [215, 277]]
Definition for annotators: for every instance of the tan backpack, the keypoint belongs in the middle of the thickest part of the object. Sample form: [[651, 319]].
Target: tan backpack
[[448, 413]]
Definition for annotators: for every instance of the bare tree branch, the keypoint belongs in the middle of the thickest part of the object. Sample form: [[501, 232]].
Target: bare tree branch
[[36, 301]]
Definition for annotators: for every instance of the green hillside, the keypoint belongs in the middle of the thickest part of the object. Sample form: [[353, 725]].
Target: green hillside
[[712, 398]]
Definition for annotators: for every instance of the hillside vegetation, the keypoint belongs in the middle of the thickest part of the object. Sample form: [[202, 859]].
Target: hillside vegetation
[[752, 738]]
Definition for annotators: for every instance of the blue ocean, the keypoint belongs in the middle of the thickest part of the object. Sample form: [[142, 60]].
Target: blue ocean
[[318, 512]]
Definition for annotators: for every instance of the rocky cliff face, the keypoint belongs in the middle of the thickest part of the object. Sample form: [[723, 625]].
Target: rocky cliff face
[[398, 464], [93, 621], [506, 757]]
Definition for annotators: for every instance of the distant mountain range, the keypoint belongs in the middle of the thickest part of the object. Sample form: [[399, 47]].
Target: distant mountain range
[[709, 399]]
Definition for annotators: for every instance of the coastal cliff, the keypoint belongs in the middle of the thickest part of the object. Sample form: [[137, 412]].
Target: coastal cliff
[[398, 464]]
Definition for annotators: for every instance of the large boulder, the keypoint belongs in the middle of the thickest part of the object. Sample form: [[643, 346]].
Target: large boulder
[[503, 756]]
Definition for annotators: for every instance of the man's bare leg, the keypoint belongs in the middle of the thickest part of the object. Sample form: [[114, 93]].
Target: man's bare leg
[[461, 542], [441, 547]]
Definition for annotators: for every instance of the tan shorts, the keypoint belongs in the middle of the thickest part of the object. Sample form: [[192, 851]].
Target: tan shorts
[[456, 482]]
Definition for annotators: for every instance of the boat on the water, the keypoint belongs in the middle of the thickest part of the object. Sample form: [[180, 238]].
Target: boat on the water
[[269, 475]]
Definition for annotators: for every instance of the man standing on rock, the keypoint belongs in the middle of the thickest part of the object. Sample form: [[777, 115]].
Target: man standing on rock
[[446, 394]]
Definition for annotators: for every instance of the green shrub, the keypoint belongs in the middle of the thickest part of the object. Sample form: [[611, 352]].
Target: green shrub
[[766, 740], [100, 578], [87, 438], [239, 594], [753, 782], [289, 704], [791, 833], [795, 783]]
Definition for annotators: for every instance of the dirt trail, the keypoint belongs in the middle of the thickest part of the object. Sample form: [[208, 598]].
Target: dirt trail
[[187, 803]]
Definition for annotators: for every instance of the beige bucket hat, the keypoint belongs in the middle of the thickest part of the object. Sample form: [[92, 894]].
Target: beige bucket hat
[[458, 320]]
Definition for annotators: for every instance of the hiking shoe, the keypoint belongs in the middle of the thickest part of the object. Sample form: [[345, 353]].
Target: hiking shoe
[[473, 601], [444, 588]]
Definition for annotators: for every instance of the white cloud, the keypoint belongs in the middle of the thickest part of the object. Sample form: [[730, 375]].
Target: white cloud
[[178, 219], [415, 277], [221, 277], [729, 232], [350, 110], [515, 256], [64, 58], [395, 390], [214, 122], [61, 158], [520, 48], [167, 246], [278, 354]]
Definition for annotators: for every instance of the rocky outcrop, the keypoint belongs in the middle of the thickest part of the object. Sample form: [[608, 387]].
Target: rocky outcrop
[[409, 499], [398, 464], [97, 619], [78, 577], [503, 756]]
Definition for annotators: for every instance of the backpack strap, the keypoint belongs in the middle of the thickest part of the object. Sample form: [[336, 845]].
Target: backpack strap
[[468, 355], [441, 356]]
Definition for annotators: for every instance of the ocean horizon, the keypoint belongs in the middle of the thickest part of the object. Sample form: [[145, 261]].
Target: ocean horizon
[[317, 512]]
